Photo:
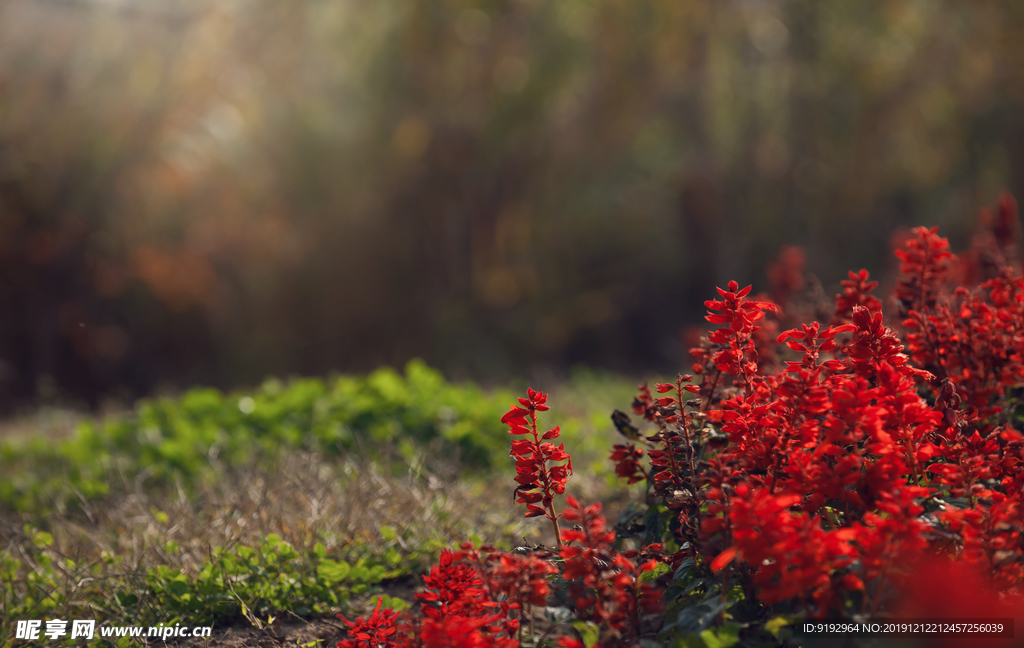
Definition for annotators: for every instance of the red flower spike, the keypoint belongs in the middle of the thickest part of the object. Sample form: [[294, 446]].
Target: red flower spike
[[820, 488], [603, 583], [378, 629], [856, 293], [534, 458], [627, 462], [736, 353]]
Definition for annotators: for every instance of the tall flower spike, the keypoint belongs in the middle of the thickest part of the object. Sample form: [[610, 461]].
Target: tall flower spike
[[736, 355], [538, 482]]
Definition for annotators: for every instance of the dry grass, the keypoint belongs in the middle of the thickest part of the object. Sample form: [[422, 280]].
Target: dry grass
[[48, 422], [305, 499]]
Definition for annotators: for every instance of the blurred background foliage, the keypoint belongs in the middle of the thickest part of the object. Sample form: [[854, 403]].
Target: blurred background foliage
[[212, 192]]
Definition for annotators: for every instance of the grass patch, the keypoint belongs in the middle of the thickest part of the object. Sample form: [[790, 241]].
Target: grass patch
[[297, 499]]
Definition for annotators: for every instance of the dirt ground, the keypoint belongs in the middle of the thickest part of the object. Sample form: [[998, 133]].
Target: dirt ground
[[319, 633]]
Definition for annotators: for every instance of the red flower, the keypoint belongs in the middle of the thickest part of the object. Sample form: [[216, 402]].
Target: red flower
[[371, 632], [925, 266], [627, 462], [856, 292], [522, 579], [538, 483], [603, 583]]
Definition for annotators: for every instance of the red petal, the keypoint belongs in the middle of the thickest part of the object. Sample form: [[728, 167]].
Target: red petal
[[723, 559], [514, 412], [791, 333], [533, 511]]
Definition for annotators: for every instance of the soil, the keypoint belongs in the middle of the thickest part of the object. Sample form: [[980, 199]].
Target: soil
[[317, 633]]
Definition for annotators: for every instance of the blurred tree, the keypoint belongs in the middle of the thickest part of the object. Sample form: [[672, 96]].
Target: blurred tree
[[211, 192]]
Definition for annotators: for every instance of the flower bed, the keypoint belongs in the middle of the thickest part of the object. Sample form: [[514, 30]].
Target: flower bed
[[841, 470]]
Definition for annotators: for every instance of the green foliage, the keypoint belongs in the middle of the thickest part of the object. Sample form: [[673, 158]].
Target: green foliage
[[205, 436], [234, 584], [267, 579], [200, 434]]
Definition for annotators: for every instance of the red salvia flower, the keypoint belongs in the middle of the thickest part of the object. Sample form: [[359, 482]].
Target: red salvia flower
[[627, 462], [603, 583], [373, 631], [538, 483], [925, 264], [856, 292], [522, 579], [818, 470], [736, 354]]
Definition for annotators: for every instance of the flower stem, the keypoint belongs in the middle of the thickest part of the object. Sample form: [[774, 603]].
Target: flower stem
[[554, 523]]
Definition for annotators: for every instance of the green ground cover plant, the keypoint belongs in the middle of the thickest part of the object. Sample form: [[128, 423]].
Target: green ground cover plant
[[203, 433]]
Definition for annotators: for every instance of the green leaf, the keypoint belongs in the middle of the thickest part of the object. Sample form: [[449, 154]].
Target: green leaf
[[284, 549], [396, 604], [724, 637], [654, 525], [160, 516], [589, 632], [388, 533], [648, 576], [43, 539], [376, 573], [126, 599], [177, 588], [672, 592], [332, 572], [684, 568], [777, 623], [319, 550]]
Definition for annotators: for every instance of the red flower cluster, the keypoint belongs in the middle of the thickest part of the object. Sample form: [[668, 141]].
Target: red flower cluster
[[970, 336], [456, 612], [856, 292], [627, 462], [378, 629], [735, 350], [537, 482], [604, 583], [471, 593], [826, 470], [862, 452]]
